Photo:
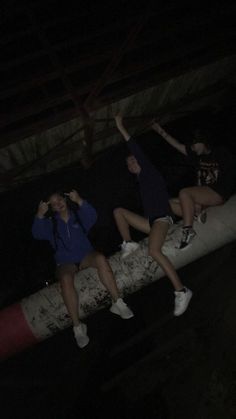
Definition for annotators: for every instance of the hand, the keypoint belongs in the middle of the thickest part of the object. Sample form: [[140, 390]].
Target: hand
[[42, 209], [121, 128], [156, 126], [119, 120], [74, 197]]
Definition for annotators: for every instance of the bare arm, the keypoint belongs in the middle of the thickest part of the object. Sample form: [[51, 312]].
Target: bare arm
[[75, 197], [169, 139], [42, 209], [121, 128]]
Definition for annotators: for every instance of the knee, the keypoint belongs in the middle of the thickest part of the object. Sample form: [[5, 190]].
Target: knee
[[100, 260], [185, 192], [117, 212]]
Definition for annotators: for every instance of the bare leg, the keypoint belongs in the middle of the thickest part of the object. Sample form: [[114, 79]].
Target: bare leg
[[66, 276], [197, 195], [125, 218], [177, 209], [98, 261], [187, 205], [70, 297], [156, 239]]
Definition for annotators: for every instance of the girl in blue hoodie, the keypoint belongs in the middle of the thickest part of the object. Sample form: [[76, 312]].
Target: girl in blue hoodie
[[67, 232]]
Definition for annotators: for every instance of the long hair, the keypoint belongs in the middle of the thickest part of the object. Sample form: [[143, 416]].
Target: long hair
[[72, 207], [202, 135]]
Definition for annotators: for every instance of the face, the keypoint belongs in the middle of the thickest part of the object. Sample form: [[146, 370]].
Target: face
[[199, 148], [133, 165], [58, 203]]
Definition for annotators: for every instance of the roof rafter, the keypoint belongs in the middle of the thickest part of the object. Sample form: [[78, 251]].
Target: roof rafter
[[166, 113]]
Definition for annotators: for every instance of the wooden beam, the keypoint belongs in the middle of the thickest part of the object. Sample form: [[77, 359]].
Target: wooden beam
[[65, 80], [154, 77], [34, 128], [155, 63], [169, 112], [110, 30], [54, 58]]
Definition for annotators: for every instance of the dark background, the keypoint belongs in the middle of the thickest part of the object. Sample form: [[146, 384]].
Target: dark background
[[26, 263], [53, 56], [153, 366]]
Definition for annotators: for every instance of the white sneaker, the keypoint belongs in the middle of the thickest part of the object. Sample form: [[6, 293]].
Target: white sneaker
[[188, 234], [121, 309], [80, 333], [182, 299], [127, 248]]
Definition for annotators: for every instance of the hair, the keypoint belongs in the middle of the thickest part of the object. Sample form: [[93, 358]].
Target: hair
[[201, 135], [73, 207]]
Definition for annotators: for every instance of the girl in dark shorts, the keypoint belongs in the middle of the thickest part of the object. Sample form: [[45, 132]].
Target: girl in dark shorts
[[67, 232], [157, 219], [214, 180]]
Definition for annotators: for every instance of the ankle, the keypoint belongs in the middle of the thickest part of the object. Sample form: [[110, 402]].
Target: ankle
[[114, 300], [183, 289]]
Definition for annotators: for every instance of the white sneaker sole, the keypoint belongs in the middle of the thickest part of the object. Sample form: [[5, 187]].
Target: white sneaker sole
[[114, 310], [189, 294], [85, 339]]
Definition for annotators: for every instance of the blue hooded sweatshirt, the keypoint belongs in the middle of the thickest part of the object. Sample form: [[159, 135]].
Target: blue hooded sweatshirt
[[71, 243]]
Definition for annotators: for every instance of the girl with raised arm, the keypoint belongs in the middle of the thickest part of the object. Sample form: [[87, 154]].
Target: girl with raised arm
[[214, 180], [157, 216]]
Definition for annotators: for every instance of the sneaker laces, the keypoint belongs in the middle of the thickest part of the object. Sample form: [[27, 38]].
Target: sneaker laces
[[185, 234], [179, 298], [180, 295], [120, 302]]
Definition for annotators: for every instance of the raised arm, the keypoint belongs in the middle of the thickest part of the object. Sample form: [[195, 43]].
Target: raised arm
[[121, 128], [86, 212], [169, 139], [134, 148]]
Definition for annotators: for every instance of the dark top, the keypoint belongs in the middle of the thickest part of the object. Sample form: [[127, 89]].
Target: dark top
[[214, 170], [71, 244], [153, 190]]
